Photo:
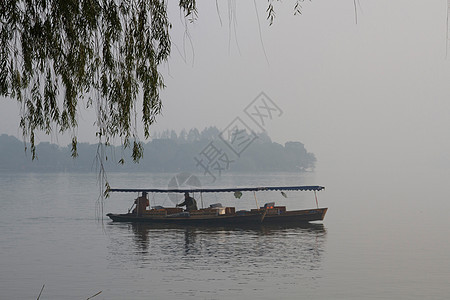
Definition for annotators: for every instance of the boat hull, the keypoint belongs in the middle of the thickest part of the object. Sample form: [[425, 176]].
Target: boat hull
[[307, 215], [298, 216]]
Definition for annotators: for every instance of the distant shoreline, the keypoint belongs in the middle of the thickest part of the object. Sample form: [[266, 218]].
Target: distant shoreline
[[162, 155]]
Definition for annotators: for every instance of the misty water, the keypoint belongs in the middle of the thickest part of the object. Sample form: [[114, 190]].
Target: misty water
[[385, 236]]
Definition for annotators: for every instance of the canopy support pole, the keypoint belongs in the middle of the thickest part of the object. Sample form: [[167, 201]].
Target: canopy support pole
[[201, 199], [153, 199], [317, 202]]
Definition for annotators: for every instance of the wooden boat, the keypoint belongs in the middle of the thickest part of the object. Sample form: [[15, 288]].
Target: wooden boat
[[216, 214]]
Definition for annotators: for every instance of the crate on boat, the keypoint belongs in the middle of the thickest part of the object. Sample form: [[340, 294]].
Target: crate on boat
[[270, 211], [230, 210], [155, 212], [173, 210], [204, 212], [281, 208], [218, 210]]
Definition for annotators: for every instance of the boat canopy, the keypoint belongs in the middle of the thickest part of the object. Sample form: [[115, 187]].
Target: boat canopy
[[221, 190]]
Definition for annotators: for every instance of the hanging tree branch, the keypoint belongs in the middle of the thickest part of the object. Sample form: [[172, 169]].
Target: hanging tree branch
[[53, 53]]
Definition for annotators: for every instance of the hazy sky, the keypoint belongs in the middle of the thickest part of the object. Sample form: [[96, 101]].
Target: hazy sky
[[375, 92]]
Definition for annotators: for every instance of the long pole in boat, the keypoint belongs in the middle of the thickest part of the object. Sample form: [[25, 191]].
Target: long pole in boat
[[256, 200], [317, 202], [131, 207]]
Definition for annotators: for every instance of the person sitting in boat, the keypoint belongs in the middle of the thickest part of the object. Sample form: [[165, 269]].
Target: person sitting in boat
[[189, 202]]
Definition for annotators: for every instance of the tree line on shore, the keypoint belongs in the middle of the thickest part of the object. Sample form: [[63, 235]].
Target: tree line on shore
[[187, 151]]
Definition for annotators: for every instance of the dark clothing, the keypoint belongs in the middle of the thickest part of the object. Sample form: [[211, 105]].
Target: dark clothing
[[190, 203], [141, 205]]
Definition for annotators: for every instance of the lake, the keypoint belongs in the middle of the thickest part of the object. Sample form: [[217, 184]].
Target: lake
[[384, 237]]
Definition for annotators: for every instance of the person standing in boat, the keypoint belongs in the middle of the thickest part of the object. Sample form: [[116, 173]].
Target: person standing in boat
[[141, 204], [189, 202]]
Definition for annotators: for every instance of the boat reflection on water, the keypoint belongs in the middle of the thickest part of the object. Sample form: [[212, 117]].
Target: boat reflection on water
[[167, 246], [143, 232]]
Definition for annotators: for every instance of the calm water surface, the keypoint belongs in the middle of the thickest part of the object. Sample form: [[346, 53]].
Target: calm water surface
[[380, 240]]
